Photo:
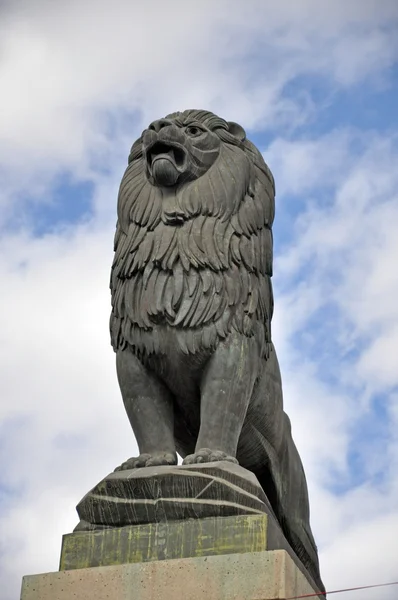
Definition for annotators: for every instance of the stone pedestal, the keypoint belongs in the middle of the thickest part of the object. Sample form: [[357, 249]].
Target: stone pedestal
[[198, 532], [251, 576]]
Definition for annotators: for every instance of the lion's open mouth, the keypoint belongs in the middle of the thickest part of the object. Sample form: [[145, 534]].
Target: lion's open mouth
[[172, 152]]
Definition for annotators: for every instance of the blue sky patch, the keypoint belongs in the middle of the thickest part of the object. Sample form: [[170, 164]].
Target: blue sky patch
[[367, 462], [70, 204]]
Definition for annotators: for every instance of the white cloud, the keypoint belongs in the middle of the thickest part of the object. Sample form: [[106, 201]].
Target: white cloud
[[350, 246], [64, 421], [293, 162], [67, 66], [343, 255], [79, 79]]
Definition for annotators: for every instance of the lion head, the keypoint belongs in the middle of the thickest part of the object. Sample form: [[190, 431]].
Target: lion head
[[178, 150], [193, 244], [169, 158]]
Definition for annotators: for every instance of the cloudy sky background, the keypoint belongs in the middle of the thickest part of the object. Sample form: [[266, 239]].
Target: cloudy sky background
[[315, 84]]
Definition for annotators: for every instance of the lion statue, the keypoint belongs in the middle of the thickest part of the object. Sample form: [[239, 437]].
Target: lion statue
[[191, 314]]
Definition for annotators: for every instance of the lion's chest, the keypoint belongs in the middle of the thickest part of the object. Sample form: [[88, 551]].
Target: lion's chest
[[188, 280], [176, 298]]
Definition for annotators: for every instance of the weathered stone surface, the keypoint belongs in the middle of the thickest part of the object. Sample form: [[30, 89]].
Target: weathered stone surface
[[165, 541], [192, 305], [251, 576], [166, 493]]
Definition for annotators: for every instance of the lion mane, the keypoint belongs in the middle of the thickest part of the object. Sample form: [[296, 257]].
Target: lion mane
[[207, 274]]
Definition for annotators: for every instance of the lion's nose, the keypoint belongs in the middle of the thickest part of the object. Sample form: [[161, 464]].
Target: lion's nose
[[159, 124]]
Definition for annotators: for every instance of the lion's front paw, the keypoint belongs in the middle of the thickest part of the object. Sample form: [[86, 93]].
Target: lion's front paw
[[149, 460], [205, 455]]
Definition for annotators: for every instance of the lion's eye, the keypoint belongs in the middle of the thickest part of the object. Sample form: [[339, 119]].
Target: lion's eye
[[193, 130]]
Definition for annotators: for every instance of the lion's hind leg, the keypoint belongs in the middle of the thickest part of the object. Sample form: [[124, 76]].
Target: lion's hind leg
[[267, 448]]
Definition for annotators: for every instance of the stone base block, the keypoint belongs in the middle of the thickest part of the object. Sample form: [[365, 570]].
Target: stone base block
[[170, 540], [269, 575]]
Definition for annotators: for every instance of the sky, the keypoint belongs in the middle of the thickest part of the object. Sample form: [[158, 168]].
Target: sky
[[315, 85]]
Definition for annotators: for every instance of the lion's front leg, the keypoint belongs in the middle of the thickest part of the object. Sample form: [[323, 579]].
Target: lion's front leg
[[226, 390], [149, 407]]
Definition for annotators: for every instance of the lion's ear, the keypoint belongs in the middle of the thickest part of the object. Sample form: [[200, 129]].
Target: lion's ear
[[237, 131]]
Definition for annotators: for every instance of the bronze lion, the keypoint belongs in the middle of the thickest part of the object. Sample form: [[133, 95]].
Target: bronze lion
[[191, 311]]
